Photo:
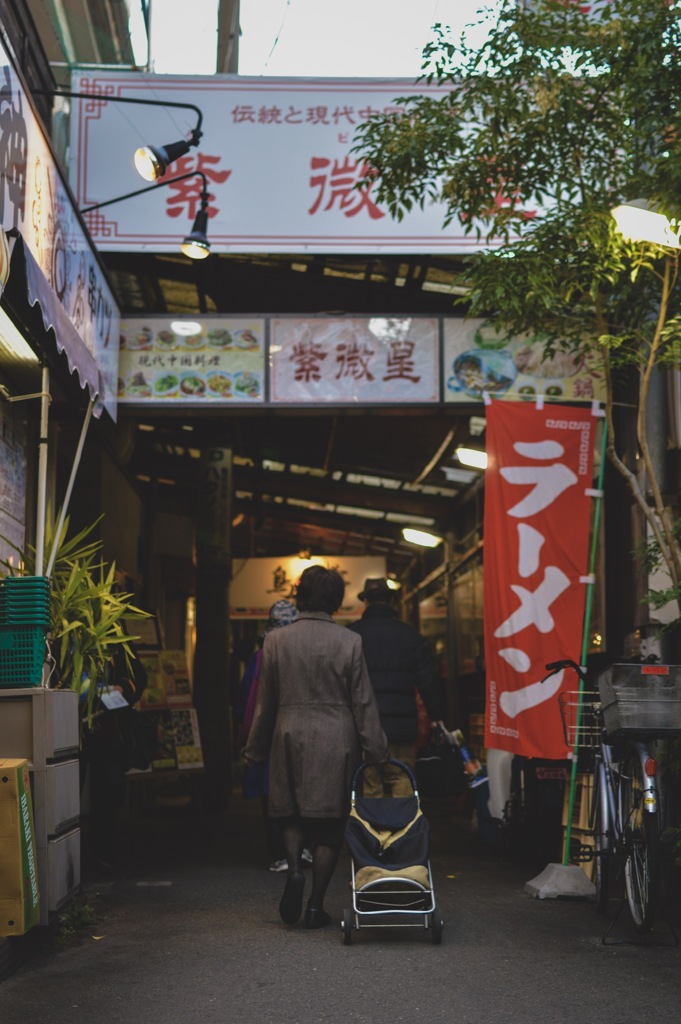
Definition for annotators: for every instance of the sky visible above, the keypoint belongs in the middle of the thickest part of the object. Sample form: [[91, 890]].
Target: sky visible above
[[307, 38]]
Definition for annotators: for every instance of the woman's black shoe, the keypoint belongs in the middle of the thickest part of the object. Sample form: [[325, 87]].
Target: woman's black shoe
[[316, 918], [291, 903]]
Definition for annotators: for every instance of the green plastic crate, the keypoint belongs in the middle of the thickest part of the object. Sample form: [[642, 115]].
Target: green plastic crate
[[23, 650], [25, 601]]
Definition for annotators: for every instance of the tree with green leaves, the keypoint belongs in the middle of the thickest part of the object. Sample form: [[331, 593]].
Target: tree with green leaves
[[564, 112]]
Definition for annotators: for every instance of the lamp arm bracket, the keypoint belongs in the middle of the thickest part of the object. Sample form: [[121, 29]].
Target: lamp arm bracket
[[125, 99]]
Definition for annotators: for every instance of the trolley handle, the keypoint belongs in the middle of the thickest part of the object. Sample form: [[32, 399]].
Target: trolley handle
[[391, 760]]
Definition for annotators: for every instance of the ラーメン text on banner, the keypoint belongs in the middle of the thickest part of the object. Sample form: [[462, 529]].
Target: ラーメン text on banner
[[537, 517]]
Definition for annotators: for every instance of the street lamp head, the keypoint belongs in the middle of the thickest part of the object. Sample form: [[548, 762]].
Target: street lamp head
[[638, 220], [196, 245], [152, 161]]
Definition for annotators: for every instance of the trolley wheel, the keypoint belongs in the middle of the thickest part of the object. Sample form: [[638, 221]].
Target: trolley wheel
[[437, 924], [346, 926]]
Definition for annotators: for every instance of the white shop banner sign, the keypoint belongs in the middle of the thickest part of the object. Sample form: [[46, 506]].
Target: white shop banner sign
[[35, 201], [276, 153], [258, 582], [214, 360], [355, 360], [478, 360]]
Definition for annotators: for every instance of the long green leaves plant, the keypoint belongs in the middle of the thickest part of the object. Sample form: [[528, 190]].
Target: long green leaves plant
[[88, 611]]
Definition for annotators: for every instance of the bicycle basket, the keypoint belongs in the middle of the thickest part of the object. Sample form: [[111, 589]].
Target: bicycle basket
[[585, 733], [642, 700]]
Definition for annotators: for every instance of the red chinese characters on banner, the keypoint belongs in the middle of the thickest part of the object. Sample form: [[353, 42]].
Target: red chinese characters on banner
[[184, 197], [336, 181], [537, 515]]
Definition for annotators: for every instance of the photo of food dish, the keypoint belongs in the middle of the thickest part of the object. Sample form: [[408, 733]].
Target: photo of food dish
[[192, 385], [530, 358], [480, 370], [165, 339], [219, 337], [166, 384], [138, 387], [220, 383], [121, 387], [247, 384], [193, 341], [142, 339], [246, 340]]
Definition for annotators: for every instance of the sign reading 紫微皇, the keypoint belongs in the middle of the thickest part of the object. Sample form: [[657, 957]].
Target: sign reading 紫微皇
[[277, 154], [537, 514], [35, 201], [374, 360], [213, 359]]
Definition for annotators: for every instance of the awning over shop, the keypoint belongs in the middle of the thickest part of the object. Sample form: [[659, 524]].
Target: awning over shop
[[31, 298]]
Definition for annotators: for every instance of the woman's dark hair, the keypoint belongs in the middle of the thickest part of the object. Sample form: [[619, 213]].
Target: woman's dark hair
[[320, 590]]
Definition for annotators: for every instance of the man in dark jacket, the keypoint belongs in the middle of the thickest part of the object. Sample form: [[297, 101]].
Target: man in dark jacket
[[400, 662]]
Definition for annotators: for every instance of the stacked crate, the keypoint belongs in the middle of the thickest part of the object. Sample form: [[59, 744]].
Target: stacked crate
[[24, 624]]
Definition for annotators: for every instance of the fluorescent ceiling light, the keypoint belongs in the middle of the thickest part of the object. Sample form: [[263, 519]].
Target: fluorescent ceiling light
[[420, 537], [472, 457], [14, 342], [638, 221], [458, 476]]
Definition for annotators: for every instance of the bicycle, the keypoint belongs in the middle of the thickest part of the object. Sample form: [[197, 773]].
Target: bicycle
[[624, 817]]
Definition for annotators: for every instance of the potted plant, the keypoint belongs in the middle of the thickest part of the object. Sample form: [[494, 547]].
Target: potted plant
[[87, 610]]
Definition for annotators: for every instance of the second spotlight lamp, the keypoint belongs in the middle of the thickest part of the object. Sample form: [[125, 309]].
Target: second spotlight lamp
[[195, 245]]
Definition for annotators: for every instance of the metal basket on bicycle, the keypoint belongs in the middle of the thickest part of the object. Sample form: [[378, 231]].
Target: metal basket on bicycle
[[641, 699], [582, 729]]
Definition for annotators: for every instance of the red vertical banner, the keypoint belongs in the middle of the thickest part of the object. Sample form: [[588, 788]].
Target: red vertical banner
[[537, 516]]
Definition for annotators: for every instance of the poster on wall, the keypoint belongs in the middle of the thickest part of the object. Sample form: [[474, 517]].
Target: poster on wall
[[12, 484], [536, 525], [478, 359], [372, 359], [258, 582], [209, 361]]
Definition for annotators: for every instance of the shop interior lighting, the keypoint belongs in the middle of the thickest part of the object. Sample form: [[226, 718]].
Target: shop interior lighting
[[639, 221], [420, 537], [151, 161], [472, 457], [196, 244]]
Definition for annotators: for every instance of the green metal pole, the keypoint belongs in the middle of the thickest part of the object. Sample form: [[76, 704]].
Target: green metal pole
[[585, 639]]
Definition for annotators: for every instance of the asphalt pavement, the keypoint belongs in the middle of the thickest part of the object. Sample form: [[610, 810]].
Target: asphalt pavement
[[189, 933]]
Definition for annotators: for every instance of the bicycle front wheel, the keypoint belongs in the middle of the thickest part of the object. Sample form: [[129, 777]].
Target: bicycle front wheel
[[600, 833], [641, 845]]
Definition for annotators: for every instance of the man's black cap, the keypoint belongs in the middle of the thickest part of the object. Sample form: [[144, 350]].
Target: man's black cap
[[376, 589]]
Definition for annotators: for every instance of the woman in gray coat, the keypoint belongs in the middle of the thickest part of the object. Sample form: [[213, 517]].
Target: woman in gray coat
[[316, 713]]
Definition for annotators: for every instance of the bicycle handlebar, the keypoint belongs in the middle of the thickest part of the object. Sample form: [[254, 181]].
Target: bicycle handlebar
[[556, 666]]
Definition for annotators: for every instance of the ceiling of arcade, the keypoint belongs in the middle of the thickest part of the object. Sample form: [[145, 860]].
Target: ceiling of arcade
[[333, 482]]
